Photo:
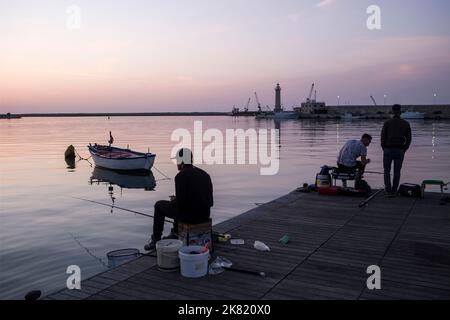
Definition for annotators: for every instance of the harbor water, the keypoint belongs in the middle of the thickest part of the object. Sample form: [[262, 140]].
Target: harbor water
[[44, 228]]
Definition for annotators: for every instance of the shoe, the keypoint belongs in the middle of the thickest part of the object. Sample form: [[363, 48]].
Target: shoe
[[151, 246]]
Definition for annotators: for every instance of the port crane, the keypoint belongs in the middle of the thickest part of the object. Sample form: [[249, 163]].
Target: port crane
[[257, 101], [246, 107], [310, 93], [373, 100]]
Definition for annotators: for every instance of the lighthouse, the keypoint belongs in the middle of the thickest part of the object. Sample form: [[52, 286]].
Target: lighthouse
[[277, 98]]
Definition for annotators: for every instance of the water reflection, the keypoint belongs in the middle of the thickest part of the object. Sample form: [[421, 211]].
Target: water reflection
[[433, 140], [70, 161], [123, 180], [35, 244]]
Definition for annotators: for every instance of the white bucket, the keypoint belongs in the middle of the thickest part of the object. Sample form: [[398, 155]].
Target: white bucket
[[167, 254], [118, 257], [193, 262]]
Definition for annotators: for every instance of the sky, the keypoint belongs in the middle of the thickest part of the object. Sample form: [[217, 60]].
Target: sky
[[203, 55]]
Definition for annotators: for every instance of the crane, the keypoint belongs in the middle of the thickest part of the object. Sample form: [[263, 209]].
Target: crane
[[310, 93], [246, 107], [257, 101], [373, 99]]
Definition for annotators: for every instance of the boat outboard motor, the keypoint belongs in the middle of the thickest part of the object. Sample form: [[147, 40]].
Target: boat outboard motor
[[323, 178]]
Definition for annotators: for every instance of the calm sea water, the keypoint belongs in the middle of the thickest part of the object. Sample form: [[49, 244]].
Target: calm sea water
[[44, 228]]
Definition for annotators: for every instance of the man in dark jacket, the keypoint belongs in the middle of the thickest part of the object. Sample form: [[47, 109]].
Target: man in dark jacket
[[395, 141], [192, 202]]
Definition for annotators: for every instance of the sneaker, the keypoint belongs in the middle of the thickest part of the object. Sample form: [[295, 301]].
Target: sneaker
[[151, 246]]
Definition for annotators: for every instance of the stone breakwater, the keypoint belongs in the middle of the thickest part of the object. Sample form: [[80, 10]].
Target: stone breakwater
[[439, 111]]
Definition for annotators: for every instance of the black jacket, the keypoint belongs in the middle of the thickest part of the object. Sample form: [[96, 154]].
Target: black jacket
[[396, 133], [194, 194]]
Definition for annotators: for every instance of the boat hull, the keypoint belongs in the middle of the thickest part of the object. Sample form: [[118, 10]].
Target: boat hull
[[412, 115], [278, 115], [144, 162]]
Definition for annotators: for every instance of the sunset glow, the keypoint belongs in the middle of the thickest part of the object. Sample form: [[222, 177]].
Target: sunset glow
[[199, 55]]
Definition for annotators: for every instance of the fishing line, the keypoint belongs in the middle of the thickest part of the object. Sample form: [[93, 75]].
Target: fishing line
[[120, 208], [166, 177], [88, 251]]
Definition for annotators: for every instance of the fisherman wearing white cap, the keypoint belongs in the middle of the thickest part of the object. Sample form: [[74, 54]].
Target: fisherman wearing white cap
[[192, 202]]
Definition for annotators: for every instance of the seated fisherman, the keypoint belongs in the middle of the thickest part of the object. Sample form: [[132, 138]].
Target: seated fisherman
[[192, 202], [351, 151]]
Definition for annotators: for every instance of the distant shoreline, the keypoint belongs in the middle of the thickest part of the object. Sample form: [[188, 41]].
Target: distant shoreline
[[437, 111], [126, 114]]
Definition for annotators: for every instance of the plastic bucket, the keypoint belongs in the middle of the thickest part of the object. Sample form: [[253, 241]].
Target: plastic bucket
[[193, 262], [118, 257], [167, 254]]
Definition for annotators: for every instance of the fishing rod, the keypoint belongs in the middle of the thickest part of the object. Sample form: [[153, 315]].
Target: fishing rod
[[366, 202], [120, 208], [374, 172], [255, 273]]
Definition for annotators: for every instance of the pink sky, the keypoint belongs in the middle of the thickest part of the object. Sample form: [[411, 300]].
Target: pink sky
[[203, 56]]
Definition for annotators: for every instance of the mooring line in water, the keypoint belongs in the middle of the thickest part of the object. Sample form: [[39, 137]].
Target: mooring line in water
[[81, 158], [120, 208], [85, 159]]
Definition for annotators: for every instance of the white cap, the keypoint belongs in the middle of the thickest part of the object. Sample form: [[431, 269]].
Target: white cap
[[184, 155]]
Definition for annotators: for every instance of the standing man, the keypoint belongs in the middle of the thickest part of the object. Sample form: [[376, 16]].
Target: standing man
[[192, 202], [395, 141]]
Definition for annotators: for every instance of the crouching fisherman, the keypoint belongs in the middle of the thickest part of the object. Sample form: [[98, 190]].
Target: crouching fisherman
[[351, 151], [192, 202]]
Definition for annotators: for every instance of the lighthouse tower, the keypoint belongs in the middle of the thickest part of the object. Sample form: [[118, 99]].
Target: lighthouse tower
[[277, 98]]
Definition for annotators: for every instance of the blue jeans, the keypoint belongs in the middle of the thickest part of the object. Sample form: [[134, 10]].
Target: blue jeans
[[392, 155]]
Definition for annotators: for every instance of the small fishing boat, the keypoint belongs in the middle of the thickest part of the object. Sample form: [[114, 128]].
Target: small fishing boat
[[351, 116], [413, 115], [121, 159], [277, 115]]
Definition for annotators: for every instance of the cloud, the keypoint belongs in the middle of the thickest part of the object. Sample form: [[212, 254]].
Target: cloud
[[325, 3]]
